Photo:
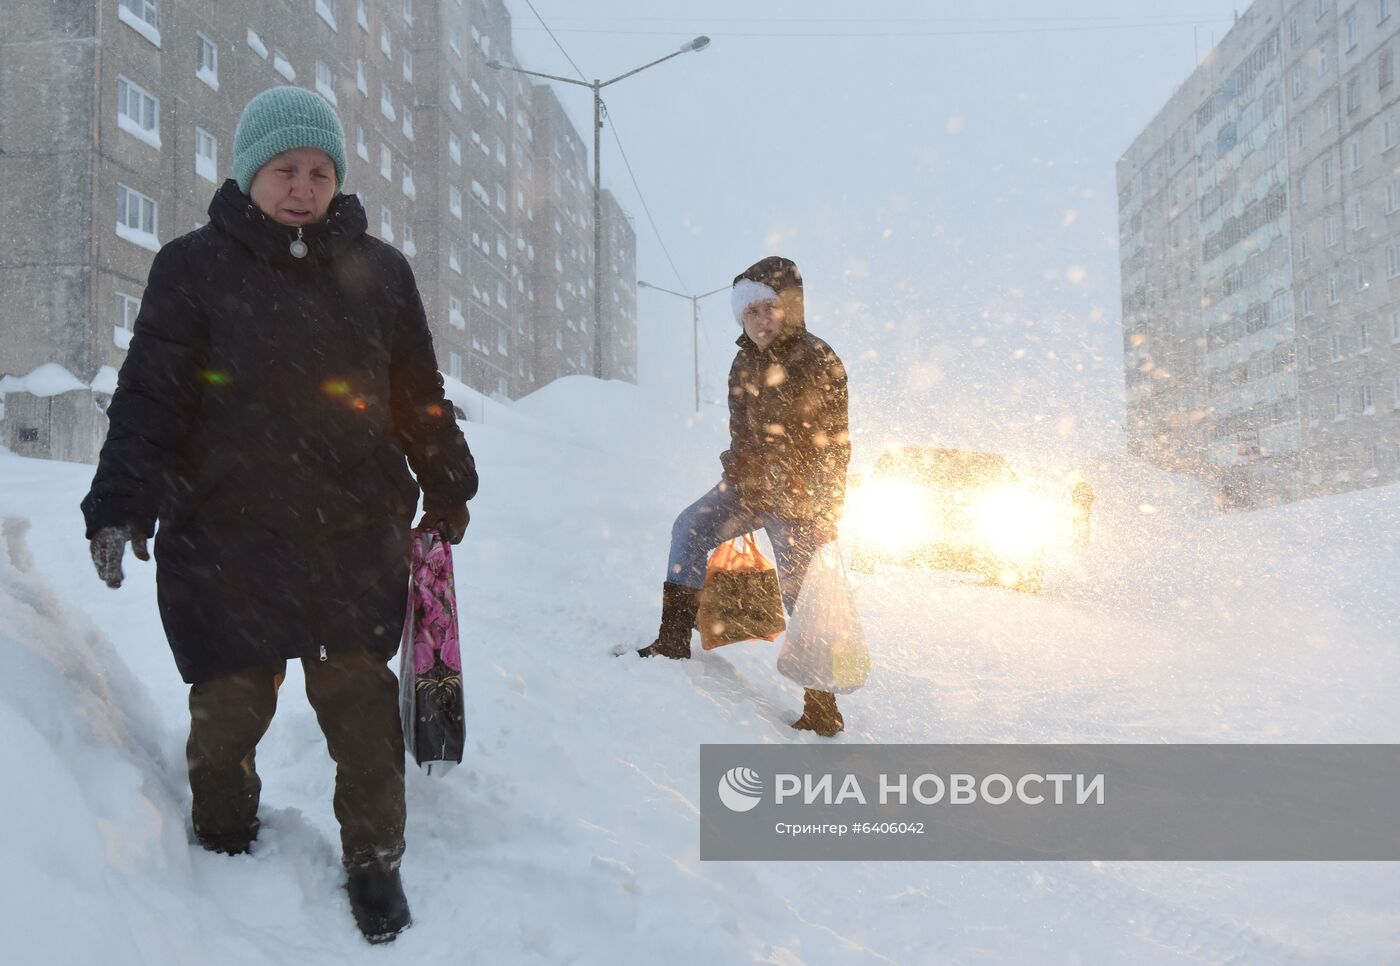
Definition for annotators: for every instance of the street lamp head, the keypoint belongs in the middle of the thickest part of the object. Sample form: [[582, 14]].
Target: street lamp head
[[496, 64], [641, 284], [699, 43]]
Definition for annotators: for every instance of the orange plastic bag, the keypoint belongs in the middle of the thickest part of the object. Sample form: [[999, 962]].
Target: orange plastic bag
[[741, 600]]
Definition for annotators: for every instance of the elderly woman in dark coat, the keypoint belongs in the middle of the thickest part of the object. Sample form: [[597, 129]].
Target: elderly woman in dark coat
[[280, 372], [785, 469]]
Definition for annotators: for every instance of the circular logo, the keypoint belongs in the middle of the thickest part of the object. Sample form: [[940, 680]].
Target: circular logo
[[740, 789]]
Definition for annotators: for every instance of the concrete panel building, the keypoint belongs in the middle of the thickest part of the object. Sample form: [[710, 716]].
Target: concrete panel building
[[117, 128], [1259, 226]]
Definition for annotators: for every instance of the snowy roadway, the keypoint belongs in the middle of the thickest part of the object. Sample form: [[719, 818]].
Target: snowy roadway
[[570, 834]]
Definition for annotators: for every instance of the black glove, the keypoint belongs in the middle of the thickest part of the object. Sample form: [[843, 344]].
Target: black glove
[[450, 520], [108, 547]]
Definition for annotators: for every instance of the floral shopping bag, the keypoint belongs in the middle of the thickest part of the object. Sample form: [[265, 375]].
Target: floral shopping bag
[[430, 660]]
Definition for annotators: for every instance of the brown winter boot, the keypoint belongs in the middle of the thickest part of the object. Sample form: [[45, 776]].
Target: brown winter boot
[[678, 608], [819, 714]]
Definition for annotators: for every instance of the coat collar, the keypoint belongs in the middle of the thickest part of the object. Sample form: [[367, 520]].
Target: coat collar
[[235, 213]]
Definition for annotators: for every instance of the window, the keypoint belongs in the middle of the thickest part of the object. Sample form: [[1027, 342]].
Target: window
[[1336, 347], [136, 218], [142, 17], [408, 187], [408, 65], [1366, 397], [361, 78], [1395, 326], [325, 81], [326, 10], [1322, 60], [361, 145], [1354, 150], [1328, 175], [385, 47], [138, 113], [362, 15], [1358, 214], [502, 343], [409, 248], [1387, 135], [1350, 28], [283, 66], [1353, 94], [454, 40], [1304, 248], [1300, 135], [408, 11], [1334, 291], [1295, 33], [1385, 71], [454, 94], [206, 61], [500, 197], [1322, 6], [454, 200], [1297, 82], [454, 361], [1382, 11], [206, 155], [386, 223], [1327, 115], [454, 262], [386, 102], [386, 162], [454, 315], [1392, 260], [501, 152], [1303, 191], [454, 148], [256, 45], [1363, 337], [1361, 283], [501, 248], [125, 320], [1310, 357], [1329, 231]]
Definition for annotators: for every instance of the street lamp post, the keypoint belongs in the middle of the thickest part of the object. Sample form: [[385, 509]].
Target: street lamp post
[[699, 43], [694, 325]]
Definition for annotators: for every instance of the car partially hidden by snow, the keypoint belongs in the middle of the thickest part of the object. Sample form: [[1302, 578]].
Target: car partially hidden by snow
[[949, 509]]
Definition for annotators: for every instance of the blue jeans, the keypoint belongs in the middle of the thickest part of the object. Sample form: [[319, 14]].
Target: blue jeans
[[719, 516]]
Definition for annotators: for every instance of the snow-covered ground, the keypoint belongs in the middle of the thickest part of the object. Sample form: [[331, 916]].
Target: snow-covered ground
[[570, 834]]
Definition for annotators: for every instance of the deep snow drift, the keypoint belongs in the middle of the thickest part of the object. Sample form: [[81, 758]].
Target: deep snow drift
[[570, 833]]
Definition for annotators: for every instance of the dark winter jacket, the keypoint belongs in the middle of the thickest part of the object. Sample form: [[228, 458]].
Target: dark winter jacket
[[789, 445], [263, 414]]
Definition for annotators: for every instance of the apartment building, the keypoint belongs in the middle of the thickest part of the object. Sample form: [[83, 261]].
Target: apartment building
[[1259, 219], [117, 129]]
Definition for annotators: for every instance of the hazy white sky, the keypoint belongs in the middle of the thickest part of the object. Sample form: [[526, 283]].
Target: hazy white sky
[[943, 174]]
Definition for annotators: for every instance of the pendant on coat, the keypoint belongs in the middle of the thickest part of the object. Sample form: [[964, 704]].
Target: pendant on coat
[[298, 247]]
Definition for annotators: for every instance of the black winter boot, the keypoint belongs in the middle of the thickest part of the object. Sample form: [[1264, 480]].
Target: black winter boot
[[819, 714], [679, 606], [379, 905]]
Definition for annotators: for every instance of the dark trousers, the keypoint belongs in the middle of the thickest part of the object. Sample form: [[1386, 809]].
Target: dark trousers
[[355, 697]]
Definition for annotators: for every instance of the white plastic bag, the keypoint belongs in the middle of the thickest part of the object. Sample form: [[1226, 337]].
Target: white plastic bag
[[825, 646]]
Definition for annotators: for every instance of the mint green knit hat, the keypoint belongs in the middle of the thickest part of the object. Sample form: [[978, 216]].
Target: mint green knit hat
[[282, 118]]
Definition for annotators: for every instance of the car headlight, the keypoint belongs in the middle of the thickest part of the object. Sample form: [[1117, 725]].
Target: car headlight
[[889, 516], [1015, 524]]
